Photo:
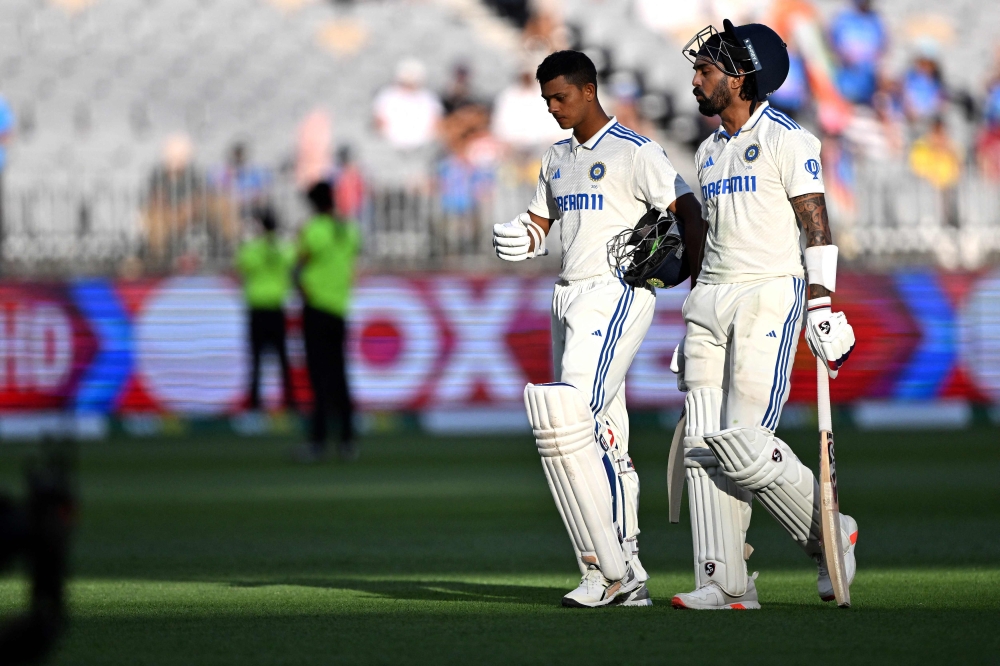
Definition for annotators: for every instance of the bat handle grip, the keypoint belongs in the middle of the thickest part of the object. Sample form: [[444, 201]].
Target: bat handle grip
[[823, 397]]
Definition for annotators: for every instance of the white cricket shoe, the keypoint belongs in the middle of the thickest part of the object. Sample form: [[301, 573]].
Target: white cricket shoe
[[713, 597], [637, 597], [849, 535], [595, 590]]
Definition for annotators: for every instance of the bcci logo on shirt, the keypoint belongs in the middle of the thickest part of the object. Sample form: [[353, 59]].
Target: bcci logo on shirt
[[597, 171], [751, 153]]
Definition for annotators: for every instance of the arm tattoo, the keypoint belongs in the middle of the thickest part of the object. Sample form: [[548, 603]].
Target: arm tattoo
[[810, 211]]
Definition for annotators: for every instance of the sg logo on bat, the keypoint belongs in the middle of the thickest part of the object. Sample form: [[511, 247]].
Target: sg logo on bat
[[833, 467]]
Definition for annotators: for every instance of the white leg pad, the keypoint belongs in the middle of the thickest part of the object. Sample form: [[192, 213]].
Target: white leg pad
[[615, 434], [758, 461], [720, 509], [580, 474]]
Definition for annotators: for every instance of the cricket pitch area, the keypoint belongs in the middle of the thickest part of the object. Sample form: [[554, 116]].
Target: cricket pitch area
[[212, 549]]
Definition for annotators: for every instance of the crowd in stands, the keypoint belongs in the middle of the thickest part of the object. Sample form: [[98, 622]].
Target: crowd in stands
[[843, 85], [871, 115], [840, 85]]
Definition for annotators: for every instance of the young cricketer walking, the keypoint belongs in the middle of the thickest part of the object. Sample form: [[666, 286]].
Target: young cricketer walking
[[761, 180], [597, 183]]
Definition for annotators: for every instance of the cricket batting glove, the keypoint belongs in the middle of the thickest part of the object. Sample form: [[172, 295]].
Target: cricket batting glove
[[512, 240], [677, 367], [828, 334]]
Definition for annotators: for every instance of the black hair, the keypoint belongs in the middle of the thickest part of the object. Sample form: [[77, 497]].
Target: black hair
[[320, 196], [574, 66], [265, 215], [713, 48], [748, 90]]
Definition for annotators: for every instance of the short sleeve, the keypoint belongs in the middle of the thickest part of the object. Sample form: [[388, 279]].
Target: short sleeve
[[798, 162], [544, 204], [655, 179]]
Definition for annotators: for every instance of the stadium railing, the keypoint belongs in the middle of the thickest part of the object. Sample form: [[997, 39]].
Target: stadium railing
[[890, 218]]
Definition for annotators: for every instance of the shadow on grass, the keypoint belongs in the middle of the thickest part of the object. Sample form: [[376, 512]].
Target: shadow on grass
[[428, 590]]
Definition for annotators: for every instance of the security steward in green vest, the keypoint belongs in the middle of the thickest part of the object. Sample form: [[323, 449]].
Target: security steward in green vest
[[265, 264], [327, 250]]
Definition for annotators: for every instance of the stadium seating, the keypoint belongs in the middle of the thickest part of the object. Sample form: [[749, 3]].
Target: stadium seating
[[99, 88], [98, 85]]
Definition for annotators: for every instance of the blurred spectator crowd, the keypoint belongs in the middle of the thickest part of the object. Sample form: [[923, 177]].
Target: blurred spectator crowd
[[888, 122], [871, 115]]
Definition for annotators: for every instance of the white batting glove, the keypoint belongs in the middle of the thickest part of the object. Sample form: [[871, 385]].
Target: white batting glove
[[828, 334], [512, 240]]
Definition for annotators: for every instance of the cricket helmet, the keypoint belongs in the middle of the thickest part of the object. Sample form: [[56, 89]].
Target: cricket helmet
[[752, 49], [651, 254]]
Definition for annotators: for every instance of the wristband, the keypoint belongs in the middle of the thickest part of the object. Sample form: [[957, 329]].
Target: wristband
[[821, 266], [814, 304]]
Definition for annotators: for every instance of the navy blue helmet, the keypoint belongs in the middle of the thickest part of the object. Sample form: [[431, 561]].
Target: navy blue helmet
[[752, 49], [651, 254]]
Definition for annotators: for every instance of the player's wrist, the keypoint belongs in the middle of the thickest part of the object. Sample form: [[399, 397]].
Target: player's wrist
[[821, 266], [817, 304], [537, 235]]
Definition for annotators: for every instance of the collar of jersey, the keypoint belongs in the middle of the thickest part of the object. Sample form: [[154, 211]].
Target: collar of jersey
[[723, 134], [592, 142]]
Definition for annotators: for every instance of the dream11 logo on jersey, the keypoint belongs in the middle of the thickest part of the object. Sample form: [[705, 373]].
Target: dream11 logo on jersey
[[733, 185]]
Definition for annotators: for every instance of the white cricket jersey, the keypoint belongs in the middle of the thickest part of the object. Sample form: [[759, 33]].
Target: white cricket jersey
[[746, 182], [600, 188]]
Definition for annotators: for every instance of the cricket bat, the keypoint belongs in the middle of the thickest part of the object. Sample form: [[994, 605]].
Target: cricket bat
[[675, 470], [833, 551]]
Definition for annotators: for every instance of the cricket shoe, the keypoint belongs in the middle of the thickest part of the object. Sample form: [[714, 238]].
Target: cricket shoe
[[848, 535], [637, 597], [713, 597], [595, 590]]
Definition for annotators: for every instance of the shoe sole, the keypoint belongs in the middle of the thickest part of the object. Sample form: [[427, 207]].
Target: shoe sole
[[679, 604], [637, 603], [573, 603], [637, 598]]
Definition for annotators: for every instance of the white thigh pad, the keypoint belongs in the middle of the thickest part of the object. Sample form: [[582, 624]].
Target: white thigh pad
[[760, 462], [720, 509], [580, 476], [703, 407]]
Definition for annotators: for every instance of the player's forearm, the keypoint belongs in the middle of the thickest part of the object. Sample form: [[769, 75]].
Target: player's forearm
[[810, 211], [688, 211], [542, 222]]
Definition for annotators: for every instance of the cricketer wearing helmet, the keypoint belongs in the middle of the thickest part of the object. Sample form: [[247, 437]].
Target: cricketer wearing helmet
[[761, 181], [597, 183]]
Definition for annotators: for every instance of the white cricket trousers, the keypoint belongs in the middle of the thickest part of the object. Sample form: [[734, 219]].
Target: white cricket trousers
[[738, 352], [597, 327], [741, 338]]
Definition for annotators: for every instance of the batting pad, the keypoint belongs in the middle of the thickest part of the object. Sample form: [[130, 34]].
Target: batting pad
[[760, 462], [580, 476], [720, 509]]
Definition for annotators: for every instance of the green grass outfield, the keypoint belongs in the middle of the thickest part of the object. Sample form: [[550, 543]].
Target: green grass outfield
[[217, 550]]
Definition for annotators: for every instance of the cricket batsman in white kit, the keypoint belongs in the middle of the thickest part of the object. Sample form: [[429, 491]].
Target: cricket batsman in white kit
[[761, 180], [598, 183]]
